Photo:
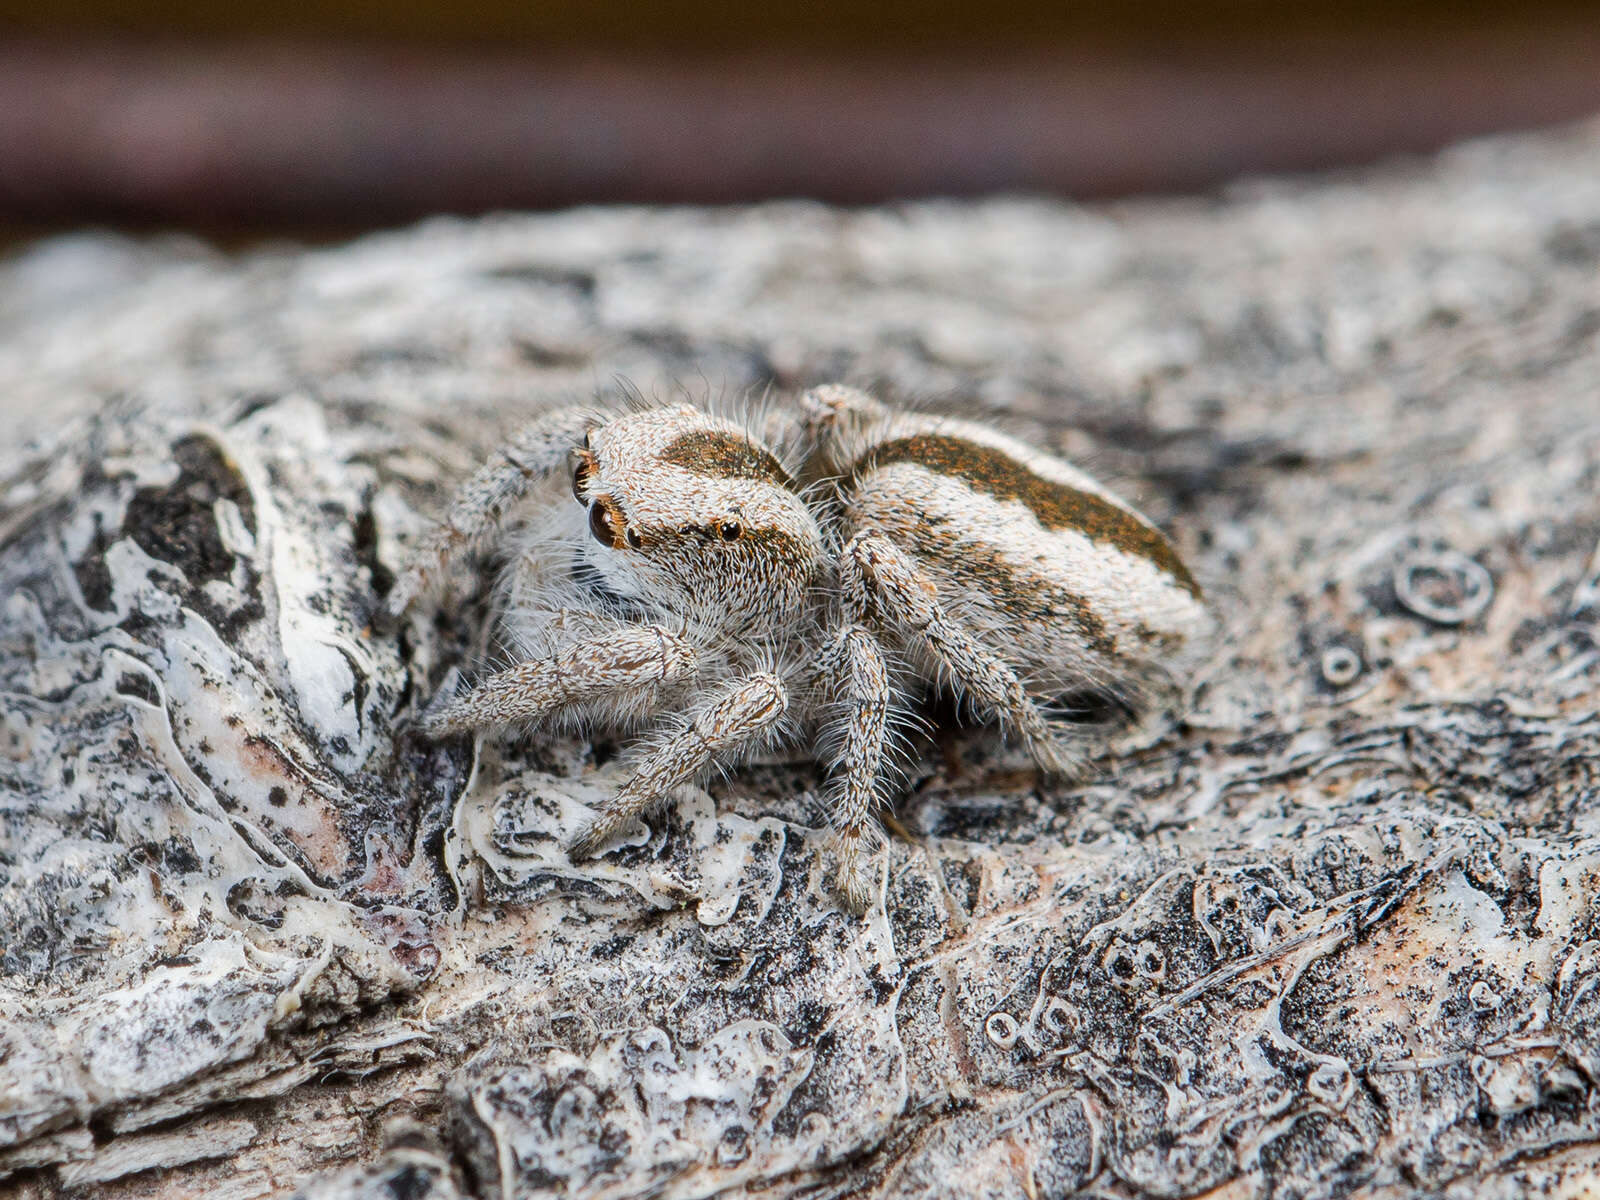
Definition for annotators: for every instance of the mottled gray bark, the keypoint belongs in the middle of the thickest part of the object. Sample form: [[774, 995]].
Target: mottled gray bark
[[1335, 931]]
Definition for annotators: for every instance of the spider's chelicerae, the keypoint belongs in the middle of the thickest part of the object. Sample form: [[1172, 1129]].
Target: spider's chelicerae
[[719, 589]]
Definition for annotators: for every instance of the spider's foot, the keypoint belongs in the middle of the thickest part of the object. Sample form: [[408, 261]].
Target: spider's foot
[[856, 890], [1056, 760], [596, 835], [855, 877], [442, 716]]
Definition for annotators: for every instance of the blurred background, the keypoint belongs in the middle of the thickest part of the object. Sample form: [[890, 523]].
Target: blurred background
[[338, 115]]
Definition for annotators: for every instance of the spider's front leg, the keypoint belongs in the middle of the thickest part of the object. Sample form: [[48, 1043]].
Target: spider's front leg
[[627, 664], [879, 580], [852, 671], [726, 719], [480, 506]]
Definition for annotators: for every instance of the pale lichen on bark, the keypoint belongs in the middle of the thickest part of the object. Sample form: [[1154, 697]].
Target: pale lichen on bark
[[1334, 932]]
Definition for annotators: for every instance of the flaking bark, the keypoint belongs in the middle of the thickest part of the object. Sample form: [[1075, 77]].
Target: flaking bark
[[1334, 932]]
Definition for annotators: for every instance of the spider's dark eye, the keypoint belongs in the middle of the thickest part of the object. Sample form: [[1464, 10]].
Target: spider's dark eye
[[731, 531], [633, 537], [581, 470], [603, 525]]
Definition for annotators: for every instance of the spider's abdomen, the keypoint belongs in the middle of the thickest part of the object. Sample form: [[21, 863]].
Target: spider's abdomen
[[1064, 579]]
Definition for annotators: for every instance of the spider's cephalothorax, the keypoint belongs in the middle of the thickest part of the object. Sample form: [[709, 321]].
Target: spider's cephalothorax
[[689, 518], [680, 576]]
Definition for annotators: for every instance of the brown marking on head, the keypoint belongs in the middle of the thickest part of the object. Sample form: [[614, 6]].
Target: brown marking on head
[[1056, 505], [723, 455]]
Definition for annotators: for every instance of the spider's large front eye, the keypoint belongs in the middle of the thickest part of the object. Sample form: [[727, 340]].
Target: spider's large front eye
[[603, 525]]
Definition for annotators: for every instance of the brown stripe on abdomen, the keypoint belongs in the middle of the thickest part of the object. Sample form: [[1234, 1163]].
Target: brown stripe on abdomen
[[1056, 505], [725, 456], [1016, 592]]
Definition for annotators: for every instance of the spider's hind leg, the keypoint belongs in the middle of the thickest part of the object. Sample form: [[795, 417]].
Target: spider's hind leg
[[879, 579]]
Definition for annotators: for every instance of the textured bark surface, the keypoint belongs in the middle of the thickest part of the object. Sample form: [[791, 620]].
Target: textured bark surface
[[1335, 931]]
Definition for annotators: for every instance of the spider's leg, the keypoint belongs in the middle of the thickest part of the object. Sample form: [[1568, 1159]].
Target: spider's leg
[[727, 718], [481, 504], [878, 579], [852, 673], [826, 406], [829, 414], [621, 662]]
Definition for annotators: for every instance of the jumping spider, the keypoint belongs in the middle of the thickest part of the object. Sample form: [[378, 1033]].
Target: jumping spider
[[721, 590]]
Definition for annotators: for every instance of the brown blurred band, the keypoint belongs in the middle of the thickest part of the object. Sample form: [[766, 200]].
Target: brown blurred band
[[262, 134]]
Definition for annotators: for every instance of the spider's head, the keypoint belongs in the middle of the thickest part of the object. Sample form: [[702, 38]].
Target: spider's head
[[689, 513]]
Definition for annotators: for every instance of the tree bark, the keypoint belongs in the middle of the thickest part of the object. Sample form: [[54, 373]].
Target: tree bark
[[1332, 932]]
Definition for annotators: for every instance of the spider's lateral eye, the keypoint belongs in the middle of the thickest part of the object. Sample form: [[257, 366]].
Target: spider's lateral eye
[[731, 531], [633, 538], [581, 470]]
